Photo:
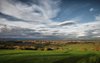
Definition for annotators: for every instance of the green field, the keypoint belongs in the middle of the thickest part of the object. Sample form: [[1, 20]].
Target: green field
[[70, 54], [27, 56]]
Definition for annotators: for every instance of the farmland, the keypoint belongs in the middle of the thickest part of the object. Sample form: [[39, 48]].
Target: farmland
[[69, 53]]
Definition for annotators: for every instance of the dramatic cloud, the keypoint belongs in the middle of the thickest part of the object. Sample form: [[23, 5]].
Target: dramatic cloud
[[35, 19], [43, 11]]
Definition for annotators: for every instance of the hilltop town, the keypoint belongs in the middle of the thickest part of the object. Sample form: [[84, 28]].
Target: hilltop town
[[42, 44]]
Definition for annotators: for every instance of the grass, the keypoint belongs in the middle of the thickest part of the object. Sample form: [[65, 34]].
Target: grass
[[77, 53], [30, 56], [27, 56]]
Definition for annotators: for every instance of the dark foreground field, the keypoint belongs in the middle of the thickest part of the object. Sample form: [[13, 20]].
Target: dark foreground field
[[70, 53], [30, 56]]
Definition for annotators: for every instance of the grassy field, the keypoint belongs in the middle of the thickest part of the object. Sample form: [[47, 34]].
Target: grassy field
[[70, 54]]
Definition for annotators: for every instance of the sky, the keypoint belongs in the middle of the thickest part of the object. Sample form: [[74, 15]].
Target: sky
[[50, 19]]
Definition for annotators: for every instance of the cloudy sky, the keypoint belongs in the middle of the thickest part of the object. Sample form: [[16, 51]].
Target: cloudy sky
[[50, 19]]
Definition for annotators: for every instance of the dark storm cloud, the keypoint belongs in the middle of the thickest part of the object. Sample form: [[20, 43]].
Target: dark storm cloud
[[28, 2], [67, 24], [93, 33], [18, 32], [9, 18]]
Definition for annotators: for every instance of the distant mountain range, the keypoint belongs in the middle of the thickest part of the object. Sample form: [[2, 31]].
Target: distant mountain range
[[14, 39]]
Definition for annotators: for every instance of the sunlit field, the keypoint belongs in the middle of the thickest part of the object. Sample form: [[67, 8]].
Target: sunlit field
[[72, 53]]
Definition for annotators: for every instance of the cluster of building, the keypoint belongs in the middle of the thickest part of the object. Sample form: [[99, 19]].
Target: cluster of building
[[39, 44]]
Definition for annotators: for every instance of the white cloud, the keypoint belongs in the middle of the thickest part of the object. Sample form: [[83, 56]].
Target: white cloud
[[91, 9], [98, 18], [76, 30], [46, 10], [38, 18]]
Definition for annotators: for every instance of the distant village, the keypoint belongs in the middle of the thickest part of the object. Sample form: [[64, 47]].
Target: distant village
[[41, 44]]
